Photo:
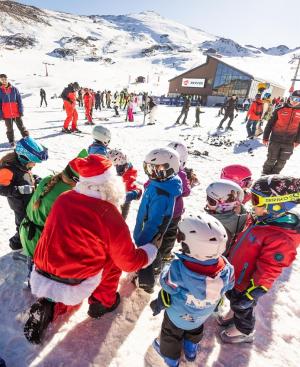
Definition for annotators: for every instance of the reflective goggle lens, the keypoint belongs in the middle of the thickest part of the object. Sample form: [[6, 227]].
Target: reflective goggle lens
[[211, 201]]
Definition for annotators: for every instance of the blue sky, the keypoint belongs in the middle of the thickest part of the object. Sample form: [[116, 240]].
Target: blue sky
[[258, 22]]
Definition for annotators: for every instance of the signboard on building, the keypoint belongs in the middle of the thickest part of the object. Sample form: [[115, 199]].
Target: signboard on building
[[193, 83]]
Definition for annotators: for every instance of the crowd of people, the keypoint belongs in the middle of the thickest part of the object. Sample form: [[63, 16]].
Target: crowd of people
[[72, 228]]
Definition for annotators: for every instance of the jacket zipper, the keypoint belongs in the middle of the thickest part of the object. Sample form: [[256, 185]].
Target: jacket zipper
[[240, 241], [290, 120], [241, 277]]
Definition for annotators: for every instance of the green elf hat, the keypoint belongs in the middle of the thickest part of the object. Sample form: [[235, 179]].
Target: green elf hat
[[70, 172]]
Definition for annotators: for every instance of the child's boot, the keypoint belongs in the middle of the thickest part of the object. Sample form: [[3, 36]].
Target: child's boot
[[190, 350], [233, 336], [168, 361]]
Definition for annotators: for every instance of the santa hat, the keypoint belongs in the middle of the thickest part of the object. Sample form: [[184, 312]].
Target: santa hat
[[95, 169]]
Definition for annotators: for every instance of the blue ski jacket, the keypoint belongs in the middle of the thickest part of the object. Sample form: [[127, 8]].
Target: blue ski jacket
[[194, 296], [97, 148], [156, 209]]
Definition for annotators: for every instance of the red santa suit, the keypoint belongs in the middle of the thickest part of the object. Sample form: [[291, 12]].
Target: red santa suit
[[86, 244]]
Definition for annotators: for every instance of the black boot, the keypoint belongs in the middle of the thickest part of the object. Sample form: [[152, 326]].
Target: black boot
[[97, 310], [40, 315]]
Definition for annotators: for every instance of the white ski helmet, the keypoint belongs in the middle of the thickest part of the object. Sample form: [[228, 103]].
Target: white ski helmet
[[117, 157], [102, 134], [224, 195], [203, 237], [161, 163], [181, 149]]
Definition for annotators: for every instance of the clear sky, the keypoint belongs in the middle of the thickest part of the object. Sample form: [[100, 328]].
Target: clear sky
[[258, 22]]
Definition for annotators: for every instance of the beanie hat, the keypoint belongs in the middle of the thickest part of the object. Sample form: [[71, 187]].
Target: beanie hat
[[94, 169]]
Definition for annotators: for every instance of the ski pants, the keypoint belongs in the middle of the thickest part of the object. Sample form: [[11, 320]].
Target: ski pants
[[125, 209], [244, 319], [19, 209], [88, 113], [43, 99], [9, 123], [97, 105], [72, 115], [183, 113], [107, 289], [169, 239], [171, 338], [278, 154], [116, 108], [251, 127], [227, 115]]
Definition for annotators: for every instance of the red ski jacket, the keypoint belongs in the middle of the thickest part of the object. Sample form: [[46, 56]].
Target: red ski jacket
[[129, 178], [256, 110], [88, 101], [261, 252], [11, 105], [80, 234]]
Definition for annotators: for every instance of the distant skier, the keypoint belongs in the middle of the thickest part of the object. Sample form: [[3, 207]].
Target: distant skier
[[79, 98], [108, 99], [254, 115], [198, 112], [11, 109], [116, 103], [230, 107], [98, 101], [152, 108], [184, 111], [129, 115], [69, 97], [88, 105], [43, 97]]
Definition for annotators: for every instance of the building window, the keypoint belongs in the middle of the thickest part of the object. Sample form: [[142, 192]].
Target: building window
[[229, 81]]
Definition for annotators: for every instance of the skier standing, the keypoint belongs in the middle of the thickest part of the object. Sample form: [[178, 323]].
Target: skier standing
[[43, 97], [98, 101], [17, 182], [254, 115], [69, 97], [129, 115], [198, 112], [108, 99], [184, 111], [88, 105], [11, 109], [152, 106], [230, 107]]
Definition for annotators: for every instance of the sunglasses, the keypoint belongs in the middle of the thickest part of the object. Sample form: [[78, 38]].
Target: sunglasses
[[258, 200]]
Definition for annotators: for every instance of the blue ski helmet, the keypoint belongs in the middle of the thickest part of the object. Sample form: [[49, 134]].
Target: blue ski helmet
[[29, 150]]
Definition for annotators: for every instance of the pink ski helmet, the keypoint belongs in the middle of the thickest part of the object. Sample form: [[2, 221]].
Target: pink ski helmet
[[239, 174]]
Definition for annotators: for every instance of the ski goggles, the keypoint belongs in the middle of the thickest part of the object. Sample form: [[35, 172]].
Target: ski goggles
[[158, 171], [245, 183], [258, 200], [295, 99]]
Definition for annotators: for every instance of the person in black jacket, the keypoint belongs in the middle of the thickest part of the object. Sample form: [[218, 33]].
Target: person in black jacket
[[43, 97], [184, 111], [230, 107], [17, 182], [282, 134], [98, 101]]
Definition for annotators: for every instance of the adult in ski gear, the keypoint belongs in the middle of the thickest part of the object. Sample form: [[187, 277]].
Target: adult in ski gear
[[152, 108], [98, 101], [11, 109], [88, 105], [116, 103], [254, 115], [125, 169], [198, 112], [102, 138], [192, 285], [184, 111], [91, 244], [69, 97], [43, 97], [282, 134], [157, 205], [224, 202], [108, 99], [130, 116], [230, 106], [240, 175], [262, 250], [17, 182]]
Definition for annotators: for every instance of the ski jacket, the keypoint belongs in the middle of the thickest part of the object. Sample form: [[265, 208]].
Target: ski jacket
[[284, 126], [186, 190], [261, 251], [230, 106], [195, 288], [11, 105], [97, 148], [256, 110], [156, 209], [42, 93], [69, 95], [12, 175], [81, 234], [34, 221], [88, 100]]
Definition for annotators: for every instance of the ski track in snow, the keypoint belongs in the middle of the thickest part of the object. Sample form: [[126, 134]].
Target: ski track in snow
[[124, 337]]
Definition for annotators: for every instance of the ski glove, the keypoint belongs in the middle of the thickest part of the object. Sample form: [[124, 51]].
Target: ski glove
[[162, 302], [250, 297], [25, 189], [133, 195], [37, 179]]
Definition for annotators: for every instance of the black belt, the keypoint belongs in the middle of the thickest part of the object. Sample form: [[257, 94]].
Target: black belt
[[69, 281]]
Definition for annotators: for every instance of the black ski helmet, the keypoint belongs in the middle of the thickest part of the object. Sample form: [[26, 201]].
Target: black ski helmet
[[279, 193]]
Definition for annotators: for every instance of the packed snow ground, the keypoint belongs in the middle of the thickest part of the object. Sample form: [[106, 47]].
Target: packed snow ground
[[124, 337]]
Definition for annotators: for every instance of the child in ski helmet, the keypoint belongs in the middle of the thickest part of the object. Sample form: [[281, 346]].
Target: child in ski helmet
[[102, 138], [224, 201], [16, 180], [157, 205], [240, 175], [192, 287], [261, 252], [125, 169]]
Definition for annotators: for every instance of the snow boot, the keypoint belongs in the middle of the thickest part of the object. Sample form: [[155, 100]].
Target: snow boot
[[190, 350], [225, 320], [97, 310], [233, 336], [76, 130], [168, 361], [66, 131], [40, 315]]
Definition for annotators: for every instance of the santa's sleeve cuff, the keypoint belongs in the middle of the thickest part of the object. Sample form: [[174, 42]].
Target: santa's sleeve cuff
[[151, 252]]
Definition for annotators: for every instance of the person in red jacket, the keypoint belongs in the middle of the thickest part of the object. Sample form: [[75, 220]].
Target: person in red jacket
[[254, 115], [88, 101], [261, 252], [282, 134], [11, 109], [125, 169], [83, 248], [69, 97]]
